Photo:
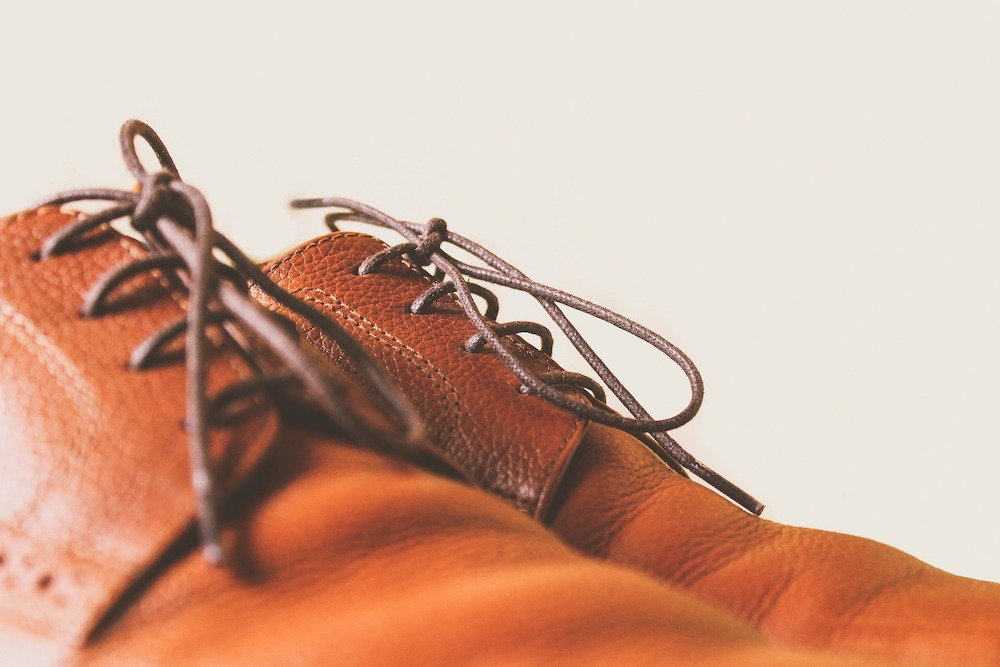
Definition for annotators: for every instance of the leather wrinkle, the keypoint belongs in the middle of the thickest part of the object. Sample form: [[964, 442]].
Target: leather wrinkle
[[852, 614], [711, 549]]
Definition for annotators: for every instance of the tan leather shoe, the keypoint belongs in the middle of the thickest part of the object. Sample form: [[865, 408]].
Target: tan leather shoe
[[332, 549], [491, 408]]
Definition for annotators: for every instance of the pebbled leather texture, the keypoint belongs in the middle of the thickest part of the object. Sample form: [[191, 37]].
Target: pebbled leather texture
[[517, 446], [95, 472], [799, 586], [618, 501], [340, 555]]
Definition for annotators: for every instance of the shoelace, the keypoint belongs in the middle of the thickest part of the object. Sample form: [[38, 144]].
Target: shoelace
[[173, 221], [423, 247]]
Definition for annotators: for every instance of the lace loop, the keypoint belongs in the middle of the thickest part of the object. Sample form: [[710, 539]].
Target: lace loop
[[478, 340], [371, 264], [62, 239], [423, 302], [145, 353], [499, 272], [230, 395], [579, 380], [133, 129], [95, 301]]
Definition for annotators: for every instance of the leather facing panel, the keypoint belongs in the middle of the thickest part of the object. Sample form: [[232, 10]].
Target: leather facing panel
[[94, 454], [515, 445]]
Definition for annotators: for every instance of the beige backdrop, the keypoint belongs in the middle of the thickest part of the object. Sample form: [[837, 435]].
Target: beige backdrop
[[803, 196]]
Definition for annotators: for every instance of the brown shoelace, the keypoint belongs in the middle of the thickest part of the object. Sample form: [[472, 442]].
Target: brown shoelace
[[423, 247], [173, 221]]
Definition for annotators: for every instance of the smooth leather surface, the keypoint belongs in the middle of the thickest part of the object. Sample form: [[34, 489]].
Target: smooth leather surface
[[618, 501], [339, 555]]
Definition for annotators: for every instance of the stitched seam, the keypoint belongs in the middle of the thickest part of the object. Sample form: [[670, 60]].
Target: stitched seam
[[48, 355], [14, 539], [56, 369], [453, 401]]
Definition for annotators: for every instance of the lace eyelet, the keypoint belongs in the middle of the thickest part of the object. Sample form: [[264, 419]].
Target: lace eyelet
[[35, 256]]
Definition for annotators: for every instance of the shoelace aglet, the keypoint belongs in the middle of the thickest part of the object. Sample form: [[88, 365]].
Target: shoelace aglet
[[208, 517], [214, 553], [727, 488]]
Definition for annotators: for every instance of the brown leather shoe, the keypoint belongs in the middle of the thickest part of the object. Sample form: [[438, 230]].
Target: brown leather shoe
[[541, 439], [334, 549]]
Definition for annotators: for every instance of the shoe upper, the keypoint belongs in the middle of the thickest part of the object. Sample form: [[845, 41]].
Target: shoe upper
[[611, 497], [339, 552]]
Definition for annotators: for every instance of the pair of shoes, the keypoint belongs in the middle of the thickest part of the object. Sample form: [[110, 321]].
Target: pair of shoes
[[186, 482], [613, 487]]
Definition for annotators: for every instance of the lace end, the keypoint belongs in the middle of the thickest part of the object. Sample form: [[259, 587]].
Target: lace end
[[728, 489], [214, 553]]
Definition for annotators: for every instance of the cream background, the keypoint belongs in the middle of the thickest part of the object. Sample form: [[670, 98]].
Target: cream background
[[803, 196]]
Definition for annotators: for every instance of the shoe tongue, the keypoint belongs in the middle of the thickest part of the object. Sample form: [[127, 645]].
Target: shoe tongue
[[515, 445], [96, 482]]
